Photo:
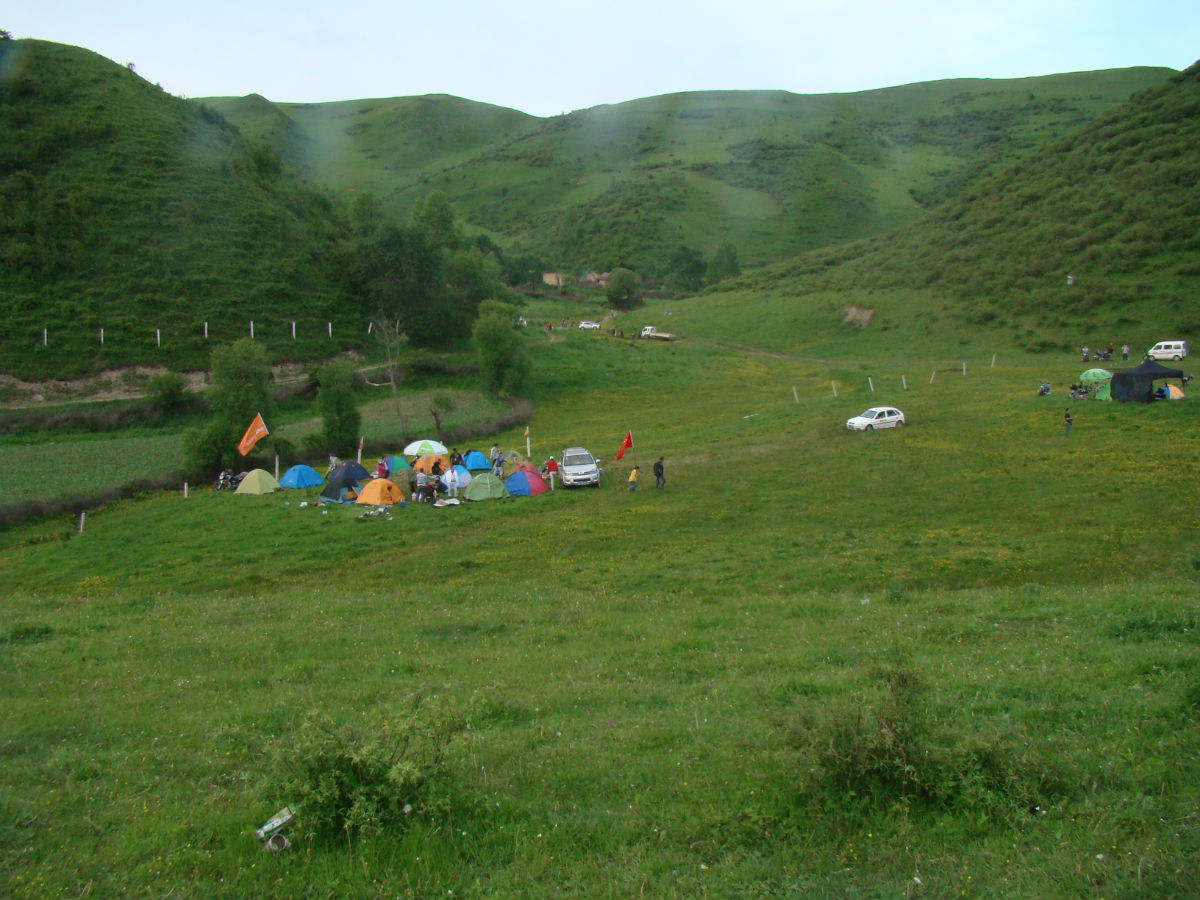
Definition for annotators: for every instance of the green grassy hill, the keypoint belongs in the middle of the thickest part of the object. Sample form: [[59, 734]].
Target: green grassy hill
[[133, 211], [1112, 204], [775, 173]]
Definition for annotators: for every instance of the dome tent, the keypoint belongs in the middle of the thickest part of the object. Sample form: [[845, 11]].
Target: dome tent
[[1136, 385]]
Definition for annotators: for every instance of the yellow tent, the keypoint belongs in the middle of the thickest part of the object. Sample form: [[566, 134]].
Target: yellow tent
[[425, 463], [379, 492], [258, 481]]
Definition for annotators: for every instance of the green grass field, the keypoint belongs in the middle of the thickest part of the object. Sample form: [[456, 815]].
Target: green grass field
[[955, 660]]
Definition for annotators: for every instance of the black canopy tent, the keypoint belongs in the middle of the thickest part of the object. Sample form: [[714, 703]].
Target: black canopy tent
[[1137, 384]]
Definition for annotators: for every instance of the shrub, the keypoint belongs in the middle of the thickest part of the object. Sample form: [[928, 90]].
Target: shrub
[[347, 781]]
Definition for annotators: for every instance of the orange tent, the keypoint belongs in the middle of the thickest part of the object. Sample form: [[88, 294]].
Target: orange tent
[[425, 463], [379, 492]]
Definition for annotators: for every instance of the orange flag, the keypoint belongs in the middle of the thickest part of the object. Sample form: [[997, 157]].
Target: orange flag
[[255, 433], [626, 444]]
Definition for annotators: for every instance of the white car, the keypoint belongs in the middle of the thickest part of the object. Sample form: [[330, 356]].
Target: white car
[[578, 467], [589, 325], [876, 417]]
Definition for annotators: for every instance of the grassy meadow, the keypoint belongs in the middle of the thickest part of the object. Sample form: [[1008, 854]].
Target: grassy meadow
[[957, 659]]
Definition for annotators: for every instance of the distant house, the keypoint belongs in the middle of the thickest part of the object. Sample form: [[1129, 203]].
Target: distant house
[[594, 279], [554, 279]]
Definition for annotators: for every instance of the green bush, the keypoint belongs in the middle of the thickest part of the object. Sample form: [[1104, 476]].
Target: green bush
[[355, 781]]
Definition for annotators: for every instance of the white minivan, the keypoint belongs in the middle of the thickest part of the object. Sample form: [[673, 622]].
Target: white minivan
[[1168, 350]]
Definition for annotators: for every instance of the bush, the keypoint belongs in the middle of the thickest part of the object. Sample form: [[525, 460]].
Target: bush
[[347, 781]]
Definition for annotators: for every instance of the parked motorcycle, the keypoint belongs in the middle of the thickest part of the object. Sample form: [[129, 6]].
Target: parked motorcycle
[[227, 481]]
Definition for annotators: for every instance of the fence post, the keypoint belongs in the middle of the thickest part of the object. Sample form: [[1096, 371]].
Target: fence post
[[185, 490], [330, 324], [293, 329], [931, 374], [157, 337], [82, 516], [993, 360], [904, 382], [206, 331], [870, 384], [101, 337], [834, 383], [795, 396], [43, 337], [251, 329], [964, 367]]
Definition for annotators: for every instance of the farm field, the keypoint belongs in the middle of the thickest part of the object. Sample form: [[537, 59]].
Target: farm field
[[958, 659]]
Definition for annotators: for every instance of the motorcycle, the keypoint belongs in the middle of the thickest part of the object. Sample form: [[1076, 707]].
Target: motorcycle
[[227, 481]]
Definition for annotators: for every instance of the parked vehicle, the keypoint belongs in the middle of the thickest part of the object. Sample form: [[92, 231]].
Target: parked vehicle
[[578, 467], [1168, 350], [589, 325], [653, 333], [876, 417]]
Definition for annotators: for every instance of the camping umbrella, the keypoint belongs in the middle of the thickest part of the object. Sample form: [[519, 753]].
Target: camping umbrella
[[525, 484], [424, 448], [258, 481], [1091, 376], [300, 477], [426, 463], [485, 487]]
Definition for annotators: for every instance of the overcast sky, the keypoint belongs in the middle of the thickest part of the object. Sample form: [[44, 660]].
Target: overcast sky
[[547, 58]]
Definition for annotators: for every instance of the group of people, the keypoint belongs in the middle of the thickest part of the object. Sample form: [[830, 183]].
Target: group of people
[[660, 478], [1088, 354]]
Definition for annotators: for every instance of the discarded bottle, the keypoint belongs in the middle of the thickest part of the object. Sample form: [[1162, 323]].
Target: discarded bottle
[[276, 822]]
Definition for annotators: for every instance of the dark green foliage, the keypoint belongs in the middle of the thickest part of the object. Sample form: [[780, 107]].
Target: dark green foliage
[[167, 393], [622, 289], [503, 359], [240, 389], [724, 264], [888, 747], [348, 781], [339, 410]]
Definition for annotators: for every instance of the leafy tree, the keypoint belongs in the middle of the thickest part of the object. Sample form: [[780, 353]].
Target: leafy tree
[[433, 214], [399, 274], [685, 271], [724, 264], [622, 287], [239, 389], [503, 362], [167, 392], [335, 398], [5, 34]]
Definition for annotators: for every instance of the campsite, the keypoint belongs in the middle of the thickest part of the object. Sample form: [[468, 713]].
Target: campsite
[[956, 658]]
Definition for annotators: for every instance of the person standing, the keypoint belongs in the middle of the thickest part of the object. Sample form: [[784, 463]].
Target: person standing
[[1124, 351], [660, 480], [550, 469], [1067, 420], [450, 480], [633, 477]]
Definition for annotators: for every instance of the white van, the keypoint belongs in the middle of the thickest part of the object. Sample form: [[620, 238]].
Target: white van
[[1168, 350]]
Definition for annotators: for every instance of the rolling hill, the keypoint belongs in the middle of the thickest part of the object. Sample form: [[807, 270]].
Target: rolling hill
[[134, 211], [773, 172], [1091, 238]]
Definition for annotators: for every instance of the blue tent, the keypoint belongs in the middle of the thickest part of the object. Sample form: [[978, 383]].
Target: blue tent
[[300, 477], [475, 460]]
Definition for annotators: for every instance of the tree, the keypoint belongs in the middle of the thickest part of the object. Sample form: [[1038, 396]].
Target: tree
[[622, 285], [399, 274], [503, 362], [389, 331], [335, 398], [239, 389], [685, 273], [724, 264], [433, 214]]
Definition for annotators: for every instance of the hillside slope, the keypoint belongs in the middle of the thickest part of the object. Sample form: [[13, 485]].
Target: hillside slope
[[133, 211], [773, 172], [1096, 230]]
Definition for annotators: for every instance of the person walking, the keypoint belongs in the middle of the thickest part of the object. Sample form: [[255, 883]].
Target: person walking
[[1067, 420], [660, 480], [633, 477]]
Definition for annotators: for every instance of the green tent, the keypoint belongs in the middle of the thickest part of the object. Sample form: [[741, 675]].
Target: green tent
[[258, 481], [485, 486], [1104, 392]]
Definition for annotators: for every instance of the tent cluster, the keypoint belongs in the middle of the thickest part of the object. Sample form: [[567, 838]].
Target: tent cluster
[[475, 478], [1134, 385]]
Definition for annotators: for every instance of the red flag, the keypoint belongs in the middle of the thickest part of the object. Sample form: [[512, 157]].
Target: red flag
[[526, 431], [255, 433], [626, 444]]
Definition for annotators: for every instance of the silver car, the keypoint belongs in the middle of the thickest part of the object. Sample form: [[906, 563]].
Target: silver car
[[876, 417], [578, 467]]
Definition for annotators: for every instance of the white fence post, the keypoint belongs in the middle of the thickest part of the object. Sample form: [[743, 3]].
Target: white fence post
[[157, 337], [904, 382], [931, 374], [101, 337], [795, 396], [251, 329], [293, 329], [871, 384], [834, 383], [206, 331]]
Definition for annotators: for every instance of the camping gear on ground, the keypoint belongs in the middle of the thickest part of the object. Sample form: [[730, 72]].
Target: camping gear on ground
[[1043, 389], [485, 486], [1136, 385], [425, 447], [379, 492], [300, 476], [525, 484], [257, 481], [426, 463], [476, 461]]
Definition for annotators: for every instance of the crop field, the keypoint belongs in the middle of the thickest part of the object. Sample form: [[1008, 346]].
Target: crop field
[[957, 659]]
